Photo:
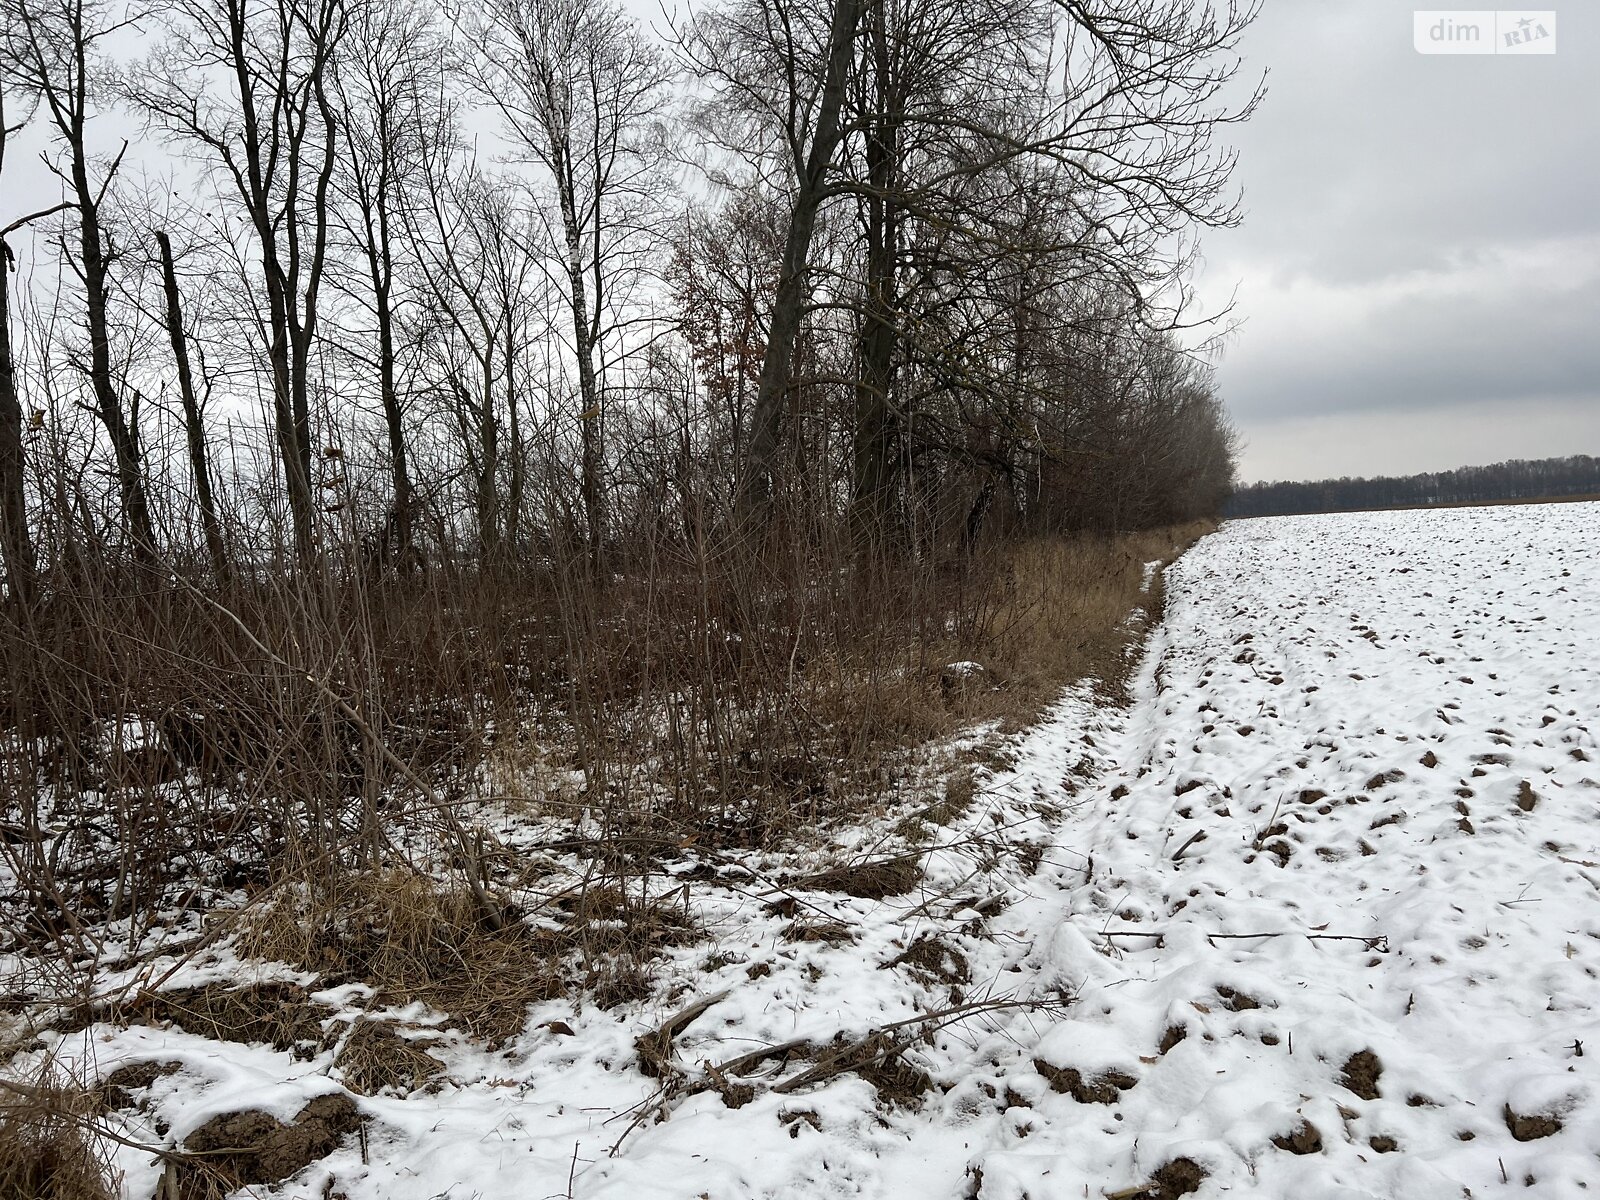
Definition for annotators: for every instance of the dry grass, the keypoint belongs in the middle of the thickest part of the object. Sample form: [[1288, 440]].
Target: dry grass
[[1066, 612], [1036, 616], [49, 1147], [415, 939], [378, 1057], [279, 1014], [766, 706]]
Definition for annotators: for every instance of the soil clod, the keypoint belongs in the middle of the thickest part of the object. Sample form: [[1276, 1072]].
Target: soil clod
[[1361, 1072]]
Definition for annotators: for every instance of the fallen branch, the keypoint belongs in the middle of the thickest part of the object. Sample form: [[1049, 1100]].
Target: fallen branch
[[882, 1044], [742, 1064], [1373, 942], [655, 1047], [876, 1048]]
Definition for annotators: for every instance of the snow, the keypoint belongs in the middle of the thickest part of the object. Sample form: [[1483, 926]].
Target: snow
[[1352, 807]]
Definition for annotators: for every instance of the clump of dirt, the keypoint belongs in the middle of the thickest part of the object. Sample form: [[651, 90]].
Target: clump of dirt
[[1236, 1000], [869, 881], [1361, 1072], [117, 1089], [1531, 1127], [1177, 1178], [1304, 1138], [241, 1149], [280, 1014], [1383, 1143], [793, 1121], [1527, 798], [1105, 1088], [1171, 1037], [377, 1057]]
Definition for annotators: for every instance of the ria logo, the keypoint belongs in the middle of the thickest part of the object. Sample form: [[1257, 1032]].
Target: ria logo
[[1485, 31]]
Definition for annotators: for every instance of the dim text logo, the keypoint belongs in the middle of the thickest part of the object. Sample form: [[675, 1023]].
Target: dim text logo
[[1483, 31]]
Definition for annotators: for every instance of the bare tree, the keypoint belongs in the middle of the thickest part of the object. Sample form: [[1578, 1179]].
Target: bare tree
[[472, 246], [53, 46], [942, 120], [193, 418], [249, 82], [581, 92], [390, 89], [16, 541], [787, 72]]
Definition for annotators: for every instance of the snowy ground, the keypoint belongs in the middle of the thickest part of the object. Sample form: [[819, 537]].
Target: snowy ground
[[1317, 914]]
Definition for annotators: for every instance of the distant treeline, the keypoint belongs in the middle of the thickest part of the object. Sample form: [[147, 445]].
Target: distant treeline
[[1517, 479]]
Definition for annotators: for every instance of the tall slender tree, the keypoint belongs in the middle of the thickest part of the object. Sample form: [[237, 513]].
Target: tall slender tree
[[582, 93], [16, 539], [390, 86], [249, 82], [54, 46], [194, 429]]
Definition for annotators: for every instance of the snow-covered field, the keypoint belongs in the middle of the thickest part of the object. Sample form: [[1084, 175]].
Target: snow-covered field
[[1318, 915]]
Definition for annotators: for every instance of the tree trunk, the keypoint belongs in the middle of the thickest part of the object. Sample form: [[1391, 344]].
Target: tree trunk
[[16, 544], [194, 429], [876, 420], [400, 513], [588, 386], [517, 469], [123, 435], [788, 304]]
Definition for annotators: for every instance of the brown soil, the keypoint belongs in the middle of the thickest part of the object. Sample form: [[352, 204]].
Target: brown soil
[[1235, 1000], [1533, 1126], [252, 1147], [117, 1089], [1361, 1072], [1177, 1178], [1304, 1138], [1106, 1088]]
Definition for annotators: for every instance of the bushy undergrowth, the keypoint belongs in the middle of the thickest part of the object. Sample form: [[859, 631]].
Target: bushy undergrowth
[[327, 757], [50, 1146]]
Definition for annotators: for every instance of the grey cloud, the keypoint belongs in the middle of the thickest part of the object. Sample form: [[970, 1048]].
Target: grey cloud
[[1421, 236]]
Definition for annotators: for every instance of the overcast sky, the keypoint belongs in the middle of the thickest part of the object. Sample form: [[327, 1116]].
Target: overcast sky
[[1418, 271]]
